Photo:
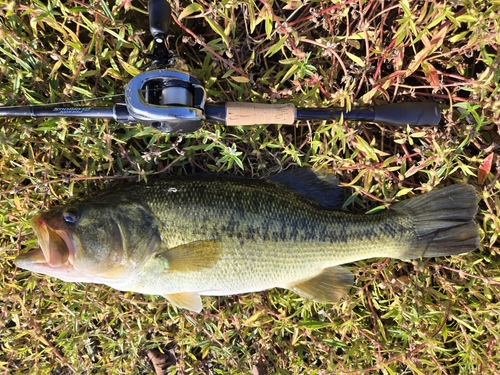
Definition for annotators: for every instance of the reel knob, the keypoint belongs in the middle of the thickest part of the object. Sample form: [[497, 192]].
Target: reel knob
[[159, 18]]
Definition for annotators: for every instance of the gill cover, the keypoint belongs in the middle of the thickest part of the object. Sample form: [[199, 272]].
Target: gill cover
[[107, 238]]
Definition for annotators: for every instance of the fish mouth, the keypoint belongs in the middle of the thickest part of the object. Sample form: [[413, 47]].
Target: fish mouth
[[57, 247]]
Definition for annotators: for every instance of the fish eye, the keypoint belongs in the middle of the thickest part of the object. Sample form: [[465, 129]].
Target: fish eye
[[70, 217]]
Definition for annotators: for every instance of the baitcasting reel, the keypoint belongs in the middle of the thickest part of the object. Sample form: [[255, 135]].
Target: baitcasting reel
[[171, 100]]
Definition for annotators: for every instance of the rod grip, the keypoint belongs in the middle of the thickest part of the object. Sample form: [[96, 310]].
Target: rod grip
[[159, 18], [408, 113], [257, 113]]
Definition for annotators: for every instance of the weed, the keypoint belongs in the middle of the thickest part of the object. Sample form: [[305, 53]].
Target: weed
[[429, 317]]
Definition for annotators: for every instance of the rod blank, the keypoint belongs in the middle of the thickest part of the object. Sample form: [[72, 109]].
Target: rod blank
[[118, 112]]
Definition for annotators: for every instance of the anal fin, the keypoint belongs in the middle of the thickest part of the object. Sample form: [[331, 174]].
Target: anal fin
[[189, 301], [329, 286]]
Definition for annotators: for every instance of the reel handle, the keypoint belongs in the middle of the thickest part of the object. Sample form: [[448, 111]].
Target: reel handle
[[159, 19]]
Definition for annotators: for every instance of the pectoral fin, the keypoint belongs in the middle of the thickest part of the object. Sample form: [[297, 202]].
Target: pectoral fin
[[193, 256], [189, 301], [329, 286]]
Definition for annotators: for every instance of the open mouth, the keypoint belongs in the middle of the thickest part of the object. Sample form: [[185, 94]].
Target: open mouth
[[56, 246]]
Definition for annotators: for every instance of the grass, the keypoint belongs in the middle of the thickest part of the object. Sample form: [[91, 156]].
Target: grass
[[438, 316]]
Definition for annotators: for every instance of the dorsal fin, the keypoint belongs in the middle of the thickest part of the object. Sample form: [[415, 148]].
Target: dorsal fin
[[322, 189]]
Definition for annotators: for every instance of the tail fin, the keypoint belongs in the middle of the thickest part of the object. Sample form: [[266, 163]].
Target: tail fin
[[443, 221]]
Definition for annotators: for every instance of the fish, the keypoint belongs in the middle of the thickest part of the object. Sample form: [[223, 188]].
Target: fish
[[215, 235]]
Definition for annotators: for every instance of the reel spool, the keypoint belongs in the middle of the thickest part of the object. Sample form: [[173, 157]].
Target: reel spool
[[167, 100]]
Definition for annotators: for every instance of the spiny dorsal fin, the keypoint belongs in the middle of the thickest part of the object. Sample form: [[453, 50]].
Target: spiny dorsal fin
[[189, 301], [192, 256], [322, 189], [329, 286]]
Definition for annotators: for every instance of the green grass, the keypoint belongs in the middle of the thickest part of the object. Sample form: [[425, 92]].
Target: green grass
[[438, 316]]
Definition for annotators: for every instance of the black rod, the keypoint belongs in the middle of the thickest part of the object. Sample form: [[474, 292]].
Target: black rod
[[118, 112], [396, 114]]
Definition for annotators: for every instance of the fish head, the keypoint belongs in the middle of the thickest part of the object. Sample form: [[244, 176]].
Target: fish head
[[101, 241]]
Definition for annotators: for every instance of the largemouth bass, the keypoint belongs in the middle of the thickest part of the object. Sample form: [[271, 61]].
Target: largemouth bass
[[210, 235]]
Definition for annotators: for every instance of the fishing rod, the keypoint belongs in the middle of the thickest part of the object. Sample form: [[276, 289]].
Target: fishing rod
[[170, 99]]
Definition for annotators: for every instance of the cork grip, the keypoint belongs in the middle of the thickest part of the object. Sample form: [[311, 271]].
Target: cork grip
[[255, 113]]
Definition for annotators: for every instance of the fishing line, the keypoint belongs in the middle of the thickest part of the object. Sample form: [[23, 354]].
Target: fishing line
[[76, 101], [67, 102]]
